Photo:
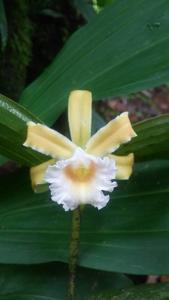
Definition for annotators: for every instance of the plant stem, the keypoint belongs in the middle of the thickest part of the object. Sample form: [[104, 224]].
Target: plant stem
[[74, 252]]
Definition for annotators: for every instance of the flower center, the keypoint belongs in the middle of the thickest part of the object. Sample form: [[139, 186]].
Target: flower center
[[80, 173]]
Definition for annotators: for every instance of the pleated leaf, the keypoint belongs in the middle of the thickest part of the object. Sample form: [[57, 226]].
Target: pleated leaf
[[122, 50], [152, 141], [130, 235], [50, 281], [13, 129]]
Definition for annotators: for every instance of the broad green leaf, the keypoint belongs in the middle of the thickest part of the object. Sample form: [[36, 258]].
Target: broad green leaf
[[158, 291], [130, 235], [49, 281], [103, 3], [13, 119], [3, 25], [152, 141], [120, 51]]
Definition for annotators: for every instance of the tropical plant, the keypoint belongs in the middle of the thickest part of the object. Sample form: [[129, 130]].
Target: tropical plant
[[123, 49]]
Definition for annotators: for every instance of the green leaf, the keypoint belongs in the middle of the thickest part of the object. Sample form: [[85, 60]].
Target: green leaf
[[152, 141], [103, 3], [13, 119], [120, 51], [158, 291], [130, 235], [49, 282], [3, 25]]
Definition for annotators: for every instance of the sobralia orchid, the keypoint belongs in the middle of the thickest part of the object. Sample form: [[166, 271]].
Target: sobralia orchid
[[81, 171]]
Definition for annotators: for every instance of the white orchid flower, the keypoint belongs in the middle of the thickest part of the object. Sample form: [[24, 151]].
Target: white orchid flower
[[81, 171]]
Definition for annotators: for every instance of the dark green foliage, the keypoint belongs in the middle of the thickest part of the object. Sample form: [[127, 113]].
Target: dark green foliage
[[129, 235], [16, 56], [3, 25], [49, 282], [53, 22], [85, 7], [37, 32], [13, 119], [142, 292]]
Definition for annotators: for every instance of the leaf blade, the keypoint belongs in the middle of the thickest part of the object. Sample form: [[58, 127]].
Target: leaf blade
[[13, 128], [94, 58], [134, 225], [151, 142], [49, 281]]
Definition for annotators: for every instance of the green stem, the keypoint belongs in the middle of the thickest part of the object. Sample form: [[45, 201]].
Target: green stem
[[74, 252]]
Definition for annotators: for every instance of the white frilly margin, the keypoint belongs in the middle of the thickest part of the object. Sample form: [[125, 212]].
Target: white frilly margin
[[71, 193]]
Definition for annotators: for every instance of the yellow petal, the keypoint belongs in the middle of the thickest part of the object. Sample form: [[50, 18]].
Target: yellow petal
[[124, 165], [47, 141], [37, 176], [111, 136], [79, 115]]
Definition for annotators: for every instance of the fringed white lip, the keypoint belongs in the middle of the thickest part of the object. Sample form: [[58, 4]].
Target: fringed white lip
[[81, 179]]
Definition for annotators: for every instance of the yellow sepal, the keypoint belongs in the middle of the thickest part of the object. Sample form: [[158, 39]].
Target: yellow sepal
[[111, 136], [47, 141], [37, 176], [80, 115], [124, 165]]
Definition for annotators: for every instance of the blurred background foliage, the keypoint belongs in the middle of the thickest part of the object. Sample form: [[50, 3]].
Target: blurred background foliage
[[36, 31], [33, 32]]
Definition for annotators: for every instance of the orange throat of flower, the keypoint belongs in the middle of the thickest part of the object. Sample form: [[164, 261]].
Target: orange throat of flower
[[80, 173]]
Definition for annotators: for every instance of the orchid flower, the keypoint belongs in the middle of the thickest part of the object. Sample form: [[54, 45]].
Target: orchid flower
[[84, 169]]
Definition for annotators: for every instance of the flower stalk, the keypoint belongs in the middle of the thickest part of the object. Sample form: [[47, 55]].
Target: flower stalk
[[74, 252]]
